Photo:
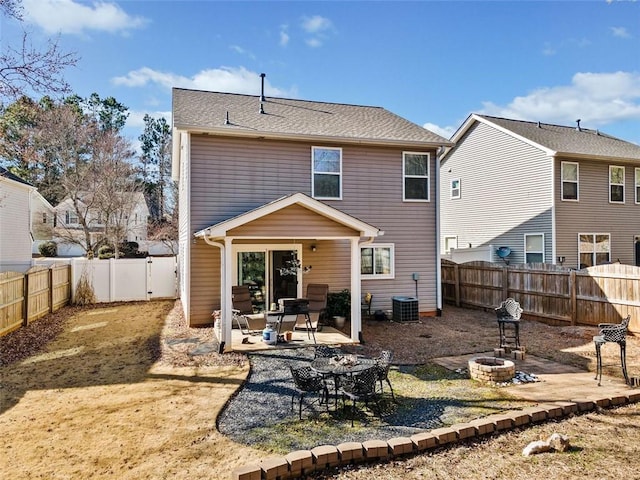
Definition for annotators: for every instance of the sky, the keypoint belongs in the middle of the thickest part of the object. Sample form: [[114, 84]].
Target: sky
[[431, 62]]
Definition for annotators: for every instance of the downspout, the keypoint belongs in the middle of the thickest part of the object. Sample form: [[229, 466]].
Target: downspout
[[224, 311], [438, 255]]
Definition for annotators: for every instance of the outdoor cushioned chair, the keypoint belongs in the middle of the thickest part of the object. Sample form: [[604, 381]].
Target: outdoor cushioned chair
[[317, 295], [243, 311], [615, 333]]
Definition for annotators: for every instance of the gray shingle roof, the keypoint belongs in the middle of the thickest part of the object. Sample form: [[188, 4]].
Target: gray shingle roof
[[569, 140], [287, 118], [7, 174]]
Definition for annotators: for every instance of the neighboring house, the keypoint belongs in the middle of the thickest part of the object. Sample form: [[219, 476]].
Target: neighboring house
[[549, 193], [43, 218], [15, 228], [134, 219], [348, 191]]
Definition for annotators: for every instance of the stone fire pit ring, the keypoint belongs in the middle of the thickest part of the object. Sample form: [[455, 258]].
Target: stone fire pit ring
[[491, 369]]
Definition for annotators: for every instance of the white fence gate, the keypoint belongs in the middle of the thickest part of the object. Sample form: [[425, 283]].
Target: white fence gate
[[126, 279]]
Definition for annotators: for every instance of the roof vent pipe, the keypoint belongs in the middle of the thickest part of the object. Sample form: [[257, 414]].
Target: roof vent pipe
[[539, 126], [262, 99], [226, 120], [578, 127]]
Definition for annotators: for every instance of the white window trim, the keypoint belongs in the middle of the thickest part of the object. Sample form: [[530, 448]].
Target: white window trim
[[446, 237], [636, 183], [392, 260], [427, 176], [593, 239], [624, 173], [577, 182], [313, 172], [459, 189], [525, 245]]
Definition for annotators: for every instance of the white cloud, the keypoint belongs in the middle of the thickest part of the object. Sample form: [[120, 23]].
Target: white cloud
[[242, 51], [67, 16], [596, 98], [223, 79], [284, 38], [620, 32], [316, 24], [136, 118], [445, 132]]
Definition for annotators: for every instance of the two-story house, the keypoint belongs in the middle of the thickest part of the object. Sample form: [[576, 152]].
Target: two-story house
[[547, 193], [347, 191], [15, 226]]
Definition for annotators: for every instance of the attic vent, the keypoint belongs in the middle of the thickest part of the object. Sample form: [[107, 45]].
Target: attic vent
[[578, 127], [226, 120]]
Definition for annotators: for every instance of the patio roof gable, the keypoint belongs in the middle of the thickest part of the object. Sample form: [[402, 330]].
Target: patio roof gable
[[222, 229]]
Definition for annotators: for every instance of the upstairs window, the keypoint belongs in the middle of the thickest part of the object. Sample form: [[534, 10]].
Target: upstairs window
[[534, 247], [376, 261], [70, 217], [455, 188], [569, 181], [616, 184], [637, 185], [450, 243], [327, 173], [415, 175], [44, 217]]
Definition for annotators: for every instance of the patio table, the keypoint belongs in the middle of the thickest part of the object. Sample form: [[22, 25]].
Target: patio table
[[341, 365]]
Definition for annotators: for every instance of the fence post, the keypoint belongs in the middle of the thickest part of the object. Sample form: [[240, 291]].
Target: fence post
[[25, 319], [505, 282], [573, 309], [456, 277], [51, 288]]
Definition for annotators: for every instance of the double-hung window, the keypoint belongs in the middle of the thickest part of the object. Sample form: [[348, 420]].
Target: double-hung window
[[326, 165], [415, 176], [70, 218], [376, 261], [594, 249], [534, 247], [450, 243], [616, 184], [570, 173], [637, 185], [455, 188]]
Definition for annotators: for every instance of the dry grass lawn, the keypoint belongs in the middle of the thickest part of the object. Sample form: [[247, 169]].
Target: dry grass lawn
[[111, 392]]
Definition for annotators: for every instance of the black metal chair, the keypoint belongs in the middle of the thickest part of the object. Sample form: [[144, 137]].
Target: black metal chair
[[614, 333], [359, 387], [365, 306], [509, 313], [326, 351], [383, 364], [307, 381]]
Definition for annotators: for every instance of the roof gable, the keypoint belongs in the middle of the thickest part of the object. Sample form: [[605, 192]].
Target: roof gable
[[558, 140], [235, 114], [4, 173]]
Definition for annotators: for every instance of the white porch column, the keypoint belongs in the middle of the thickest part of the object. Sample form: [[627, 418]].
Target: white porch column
[[356, 320], [226, 301]]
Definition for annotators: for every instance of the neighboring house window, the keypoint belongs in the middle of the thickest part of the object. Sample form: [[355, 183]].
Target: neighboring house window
[[594, 249], [616, 184], [534, 248], [327, 173], [376, 261], [637, 185], [44, 217], [455, 188], [70, 218], [415, 176], [570, 173], [449, 243]]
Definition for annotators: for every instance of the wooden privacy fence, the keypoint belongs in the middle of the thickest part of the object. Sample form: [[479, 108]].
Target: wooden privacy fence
[[26, 297], [556, 295]]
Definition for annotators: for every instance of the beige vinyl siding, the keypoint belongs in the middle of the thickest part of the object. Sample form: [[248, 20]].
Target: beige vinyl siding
[[205, 274], [231, 176], [594, 214], [15, 237], [505, 192]]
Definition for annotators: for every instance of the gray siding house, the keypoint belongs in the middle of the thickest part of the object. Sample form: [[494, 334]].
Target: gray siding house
[[554, 194], [346, 194]]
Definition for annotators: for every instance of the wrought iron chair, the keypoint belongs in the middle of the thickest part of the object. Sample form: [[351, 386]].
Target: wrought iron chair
[[614, 333], [243, 310], [307, 381], [509, 313], [359, 387], [365, 306], [326, 351], [383, 364]]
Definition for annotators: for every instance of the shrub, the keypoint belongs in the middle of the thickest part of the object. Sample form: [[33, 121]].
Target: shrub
[[48, 249], [339, 304], [84, 291], [105, 252]]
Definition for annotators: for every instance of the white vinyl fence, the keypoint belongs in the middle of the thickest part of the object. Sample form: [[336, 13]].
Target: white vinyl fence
[[124, 279]]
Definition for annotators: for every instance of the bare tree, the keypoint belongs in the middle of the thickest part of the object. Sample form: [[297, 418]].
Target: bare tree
[[24, 67]]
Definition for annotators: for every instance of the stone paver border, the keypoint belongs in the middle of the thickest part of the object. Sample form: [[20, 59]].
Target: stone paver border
[[299, 463]]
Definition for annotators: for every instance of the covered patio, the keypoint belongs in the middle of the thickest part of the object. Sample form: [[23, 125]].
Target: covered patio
[[283, 235]]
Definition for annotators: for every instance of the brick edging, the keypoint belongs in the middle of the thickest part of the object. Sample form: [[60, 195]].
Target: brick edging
[[302, 462]]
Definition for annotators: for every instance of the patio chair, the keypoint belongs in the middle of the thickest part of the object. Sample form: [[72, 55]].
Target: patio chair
[[307, 381], [383, 364], [365, 306], [614, 333], [359, 387], [326, 351], [243, 311], [509, 313]]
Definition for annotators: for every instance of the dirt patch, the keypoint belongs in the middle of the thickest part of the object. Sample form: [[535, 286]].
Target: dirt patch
[[104, 400]]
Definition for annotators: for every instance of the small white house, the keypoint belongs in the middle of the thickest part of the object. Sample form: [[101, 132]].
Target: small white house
[[15, 223]]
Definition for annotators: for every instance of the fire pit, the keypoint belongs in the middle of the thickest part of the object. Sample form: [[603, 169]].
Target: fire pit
[[490, 369]]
